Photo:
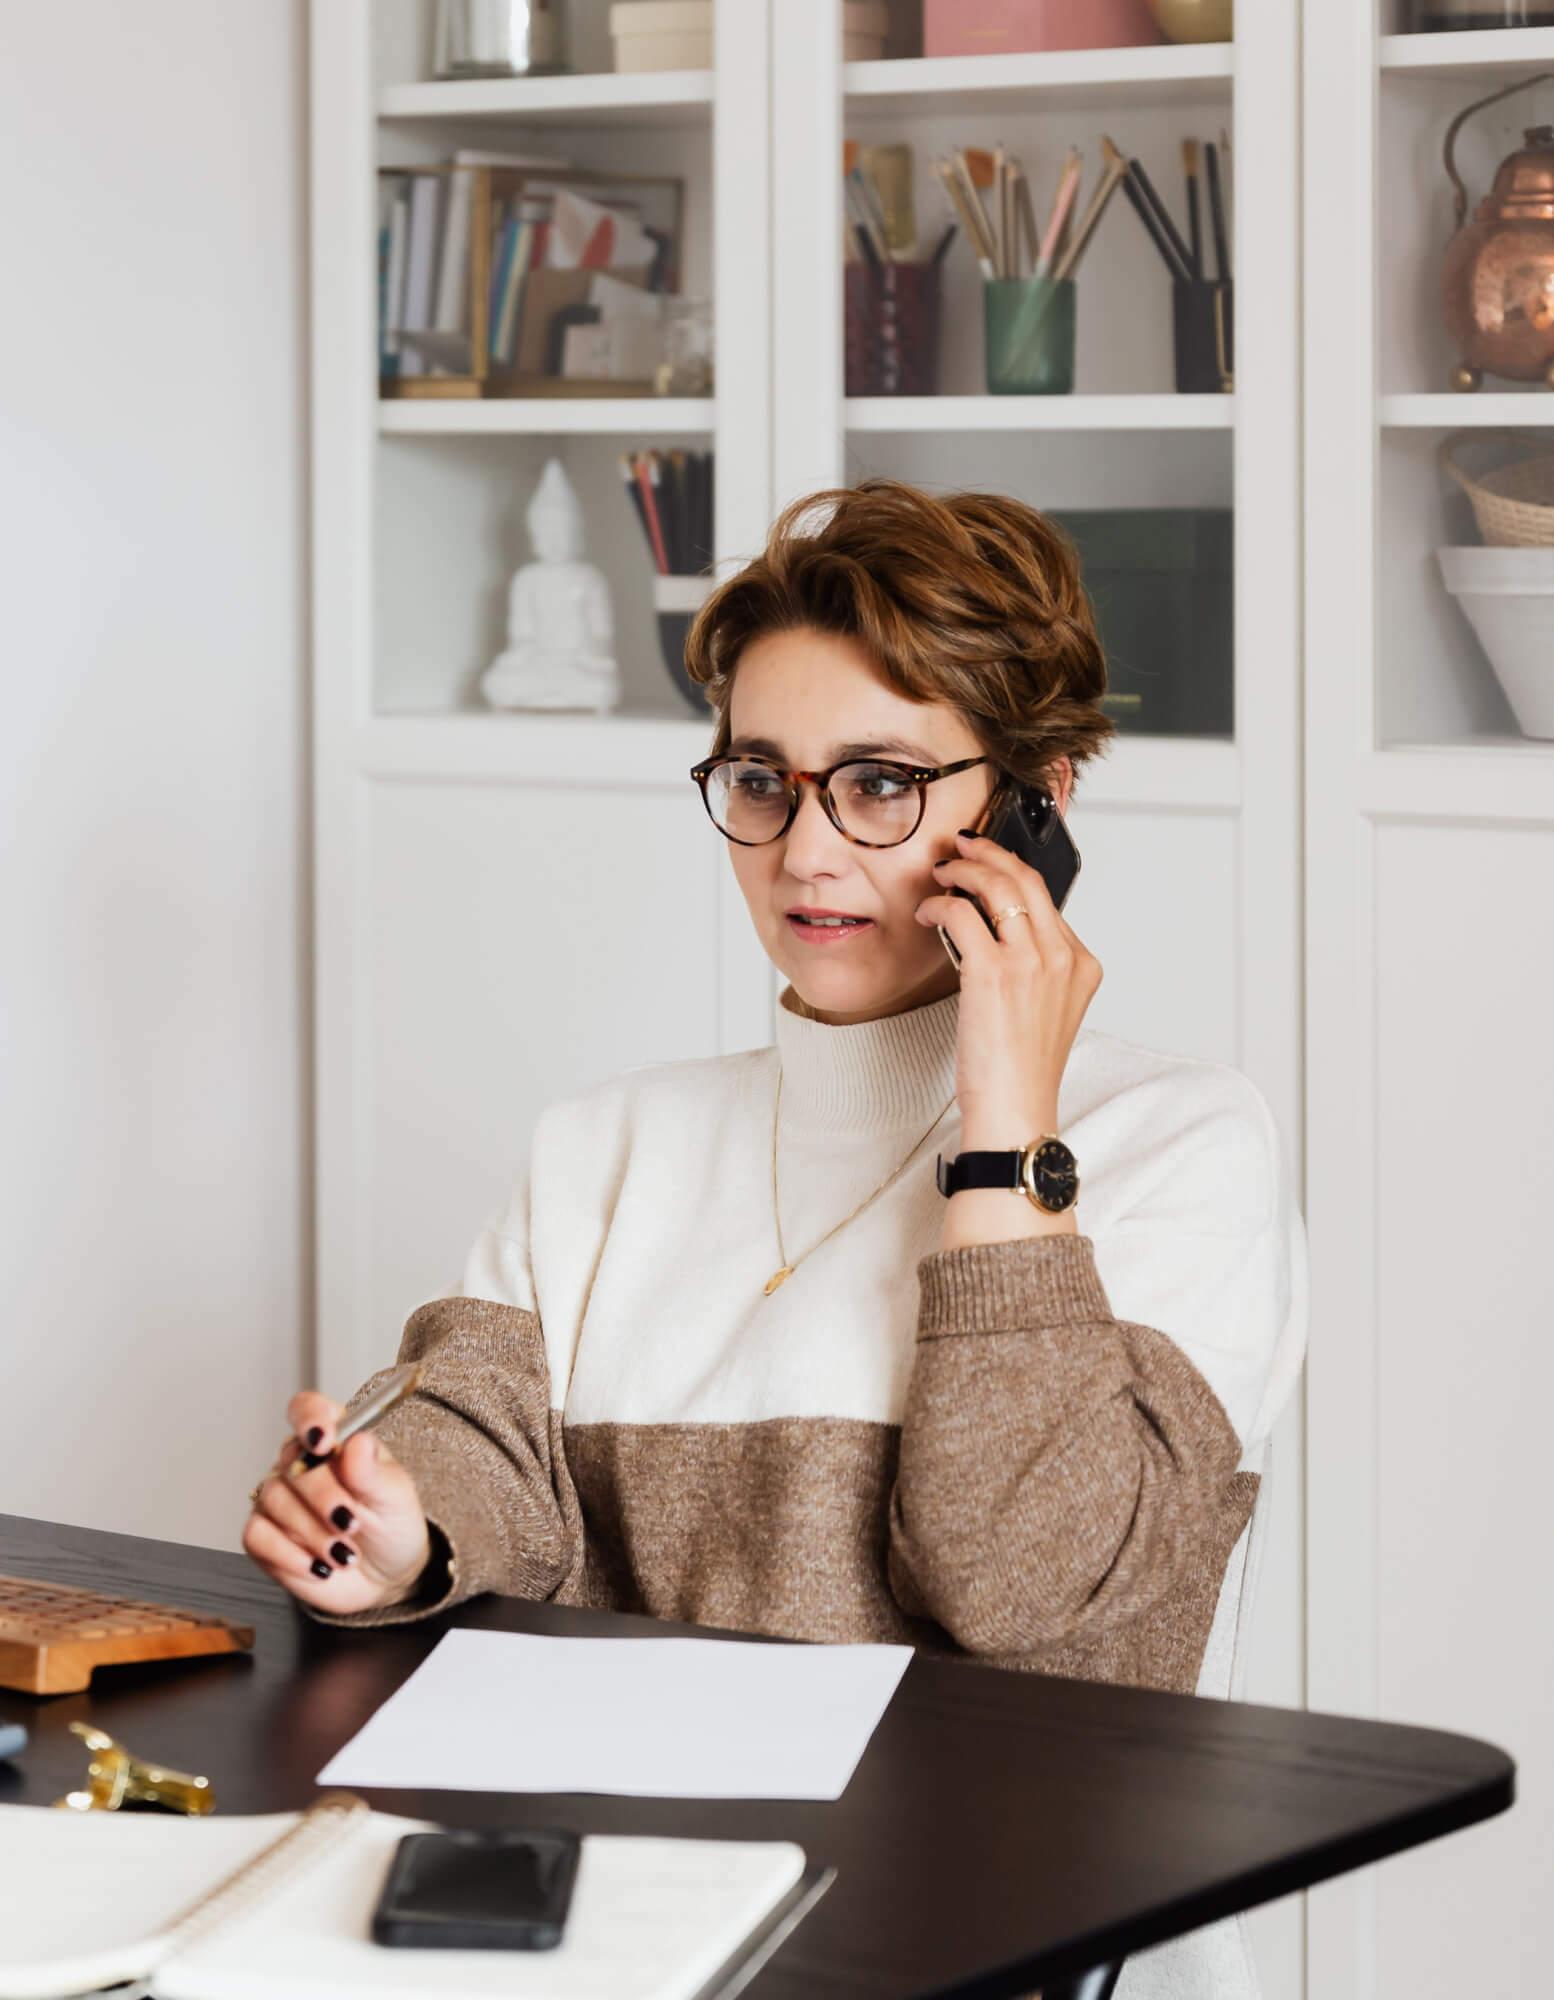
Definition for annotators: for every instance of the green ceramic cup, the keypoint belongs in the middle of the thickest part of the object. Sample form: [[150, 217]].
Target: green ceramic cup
[[1028, 328]]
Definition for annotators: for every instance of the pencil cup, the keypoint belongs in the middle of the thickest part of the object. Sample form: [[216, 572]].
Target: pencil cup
[[676, 601], [1203, 324], [1028, 326], [890, 318]]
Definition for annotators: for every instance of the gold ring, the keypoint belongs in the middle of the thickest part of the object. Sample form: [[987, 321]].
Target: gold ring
[[1014, 910], [253, 1498]]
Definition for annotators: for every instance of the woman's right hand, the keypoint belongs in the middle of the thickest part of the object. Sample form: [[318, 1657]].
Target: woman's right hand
[[347, 1535]]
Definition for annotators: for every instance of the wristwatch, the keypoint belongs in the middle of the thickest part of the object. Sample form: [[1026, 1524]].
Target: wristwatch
[[1045, 1171]]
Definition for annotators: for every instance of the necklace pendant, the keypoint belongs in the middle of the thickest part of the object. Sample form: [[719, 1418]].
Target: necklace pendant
[[776, 1279]]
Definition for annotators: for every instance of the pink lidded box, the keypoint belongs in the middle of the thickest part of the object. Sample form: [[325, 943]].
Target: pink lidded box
[[1006, 27]]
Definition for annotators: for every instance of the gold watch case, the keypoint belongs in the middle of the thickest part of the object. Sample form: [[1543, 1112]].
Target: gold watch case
[[1059, 1165]]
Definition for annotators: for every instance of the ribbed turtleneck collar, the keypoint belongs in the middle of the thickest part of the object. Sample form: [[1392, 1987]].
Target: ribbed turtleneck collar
[[871, 1076]]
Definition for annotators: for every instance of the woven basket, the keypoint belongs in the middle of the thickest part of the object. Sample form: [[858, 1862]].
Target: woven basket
[[1514, 505]]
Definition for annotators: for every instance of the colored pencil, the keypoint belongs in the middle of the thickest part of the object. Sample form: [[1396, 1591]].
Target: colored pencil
[[870, 206], [975, 165], [872, 245], [968, 212], [629, 480], [1063, 201], [650, 508], [1027, 214], [1115, 171], [1194, 214], [1001, 211], [1217, 213]]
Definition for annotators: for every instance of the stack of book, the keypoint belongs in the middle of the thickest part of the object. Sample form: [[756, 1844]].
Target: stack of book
[[424, 243], [492, 265]]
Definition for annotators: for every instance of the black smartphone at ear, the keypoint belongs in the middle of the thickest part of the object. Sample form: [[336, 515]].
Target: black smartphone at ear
[[1026, 820], [463, 1890]]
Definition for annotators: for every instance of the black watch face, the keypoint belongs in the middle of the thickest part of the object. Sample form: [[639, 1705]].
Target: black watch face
[[1055, 1172]]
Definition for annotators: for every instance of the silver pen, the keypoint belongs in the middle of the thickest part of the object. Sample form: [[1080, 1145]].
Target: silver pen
[[387, 1397]]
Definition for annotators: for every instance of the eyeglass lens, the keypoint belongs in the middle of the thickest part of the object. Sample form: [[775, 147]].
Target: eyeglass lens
[[750, 802]]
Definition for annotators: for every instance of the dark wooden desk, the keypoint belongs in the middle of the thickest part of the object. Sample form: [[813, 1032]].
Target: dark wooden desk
[[1003, 1831]]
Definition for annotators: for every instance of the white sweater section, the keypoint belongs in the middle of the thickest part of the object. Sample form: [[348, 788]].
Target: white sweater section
[[640, 1228]]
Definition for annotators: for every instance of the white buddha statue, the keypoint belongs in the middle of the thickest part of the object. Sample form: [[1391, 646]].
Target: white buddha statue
[[560, 632]]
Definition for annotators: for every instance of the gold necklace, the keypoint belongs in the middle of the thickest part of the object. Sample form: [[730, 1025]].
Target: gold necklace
[[788, 1269]]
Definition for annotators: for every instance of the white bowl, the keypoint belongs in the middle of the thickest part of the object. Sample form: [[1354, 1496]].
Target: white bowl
[[1507, 595]]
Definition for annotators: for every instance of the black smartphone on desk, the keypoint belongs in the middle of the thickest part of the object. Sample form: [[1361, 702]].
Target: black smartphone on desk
[[1026, 820], [464, 1890]]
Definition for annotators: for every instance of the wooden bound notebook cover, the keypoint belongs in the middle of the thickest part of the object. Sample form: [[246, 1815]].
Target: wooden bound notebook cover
[[52, 1635]]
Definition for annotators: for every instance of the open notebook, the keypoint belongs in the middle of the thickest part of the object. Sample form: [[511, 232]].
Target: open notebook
[[248, 1908]]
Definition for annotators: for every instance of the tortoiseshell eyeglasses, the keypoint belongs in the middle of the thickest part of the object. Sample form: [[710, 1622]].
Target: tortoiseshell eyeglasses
[[877, 802]]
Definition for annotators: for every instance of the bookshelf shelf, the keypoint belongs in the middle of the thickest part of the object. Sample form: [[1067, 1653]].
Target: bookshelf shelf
[[662, 97], [630, 745], [1039, 413], [657, 747], [953, 85], [547, 416], [1467, 55], [1494, 780], [1452, 412]]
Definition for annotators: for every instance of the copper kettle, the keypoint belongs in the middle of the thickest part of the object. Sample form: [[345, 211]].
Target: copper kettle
[[1497, 285]]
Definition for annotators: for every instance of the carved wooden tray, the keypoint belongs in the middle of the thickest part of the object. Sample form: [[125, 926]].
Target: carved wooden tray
[[52, 1635]]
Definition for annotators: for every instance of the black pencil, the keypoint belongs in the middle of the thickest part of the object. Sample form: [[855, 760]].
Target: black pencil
[[702, 553], [1145, 214], [675, 511], [1217, 213], [629, 478], [1173, 235], [1194, 212], [686, 497], [684, 523], [666, 510]]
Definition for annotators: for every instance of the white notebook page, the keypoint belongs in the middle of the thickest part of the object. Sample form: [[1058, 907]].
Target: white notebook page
[[651, 1919], [653, 1718], [87, 1894]]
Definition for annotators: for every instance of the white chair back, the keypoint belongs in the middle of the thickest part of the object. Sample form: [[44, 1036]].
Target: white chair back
[[1223, 1673]]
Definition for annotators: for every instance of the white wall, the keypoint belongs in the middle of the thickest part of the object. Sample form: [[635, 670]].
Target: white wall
[[154, 982]]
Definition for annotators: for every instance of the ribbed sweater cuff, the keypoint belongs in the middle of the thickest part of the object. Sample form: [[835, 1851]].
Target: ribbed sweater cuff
[[1004, 1287], [466, 1540]]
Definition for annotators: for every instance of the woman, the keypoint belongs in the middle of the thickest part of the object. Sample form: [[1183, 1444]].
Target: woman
[[728, 1354]]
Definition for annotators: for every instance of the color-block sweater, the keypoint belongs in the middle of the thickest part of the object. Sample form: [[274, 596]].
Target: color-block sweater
[[1038, 1453]]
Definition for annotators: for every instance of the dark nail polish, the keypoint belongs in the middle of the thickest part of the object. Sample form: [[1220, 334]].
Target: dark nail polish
[[315, 1437], [970, 833], [343, 1519], [341, 1553], [321, 1568]]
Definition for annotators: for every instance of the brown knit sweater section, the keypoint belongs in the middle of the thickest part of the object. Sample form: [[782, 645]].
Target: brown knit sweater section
[[1061, 1494]]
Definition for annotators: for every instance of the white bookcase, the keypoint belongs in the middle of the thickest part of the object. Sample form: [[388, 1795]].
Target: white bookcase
[[509, 907], [1429, 954]]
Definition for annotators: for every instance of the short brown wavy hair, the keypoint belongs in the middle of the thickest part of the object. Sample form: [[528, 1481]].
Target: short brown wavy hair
[[968, 598]]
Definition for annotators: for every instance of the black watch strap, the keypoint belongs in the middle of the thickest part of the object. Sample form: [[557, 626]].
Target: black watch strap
[[1053, 1183]]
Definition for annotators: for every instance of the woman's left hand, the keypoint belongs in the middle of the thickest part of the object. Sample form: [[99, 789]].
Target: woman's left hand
[[1023, 993]]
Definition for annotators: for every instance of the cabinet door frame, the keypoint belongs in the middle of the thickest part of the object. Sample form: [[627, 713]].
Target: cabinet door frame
[[353, 749]]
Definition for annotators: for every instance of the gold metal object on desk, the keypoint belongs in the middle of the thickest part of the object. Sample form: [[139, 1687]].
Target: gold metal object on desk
[[116, 1778], [1497, 283]]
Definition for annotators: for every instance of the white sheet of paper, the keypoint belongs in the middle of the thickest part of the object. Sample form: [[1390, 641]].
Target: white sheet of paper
[[648, 1718]]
